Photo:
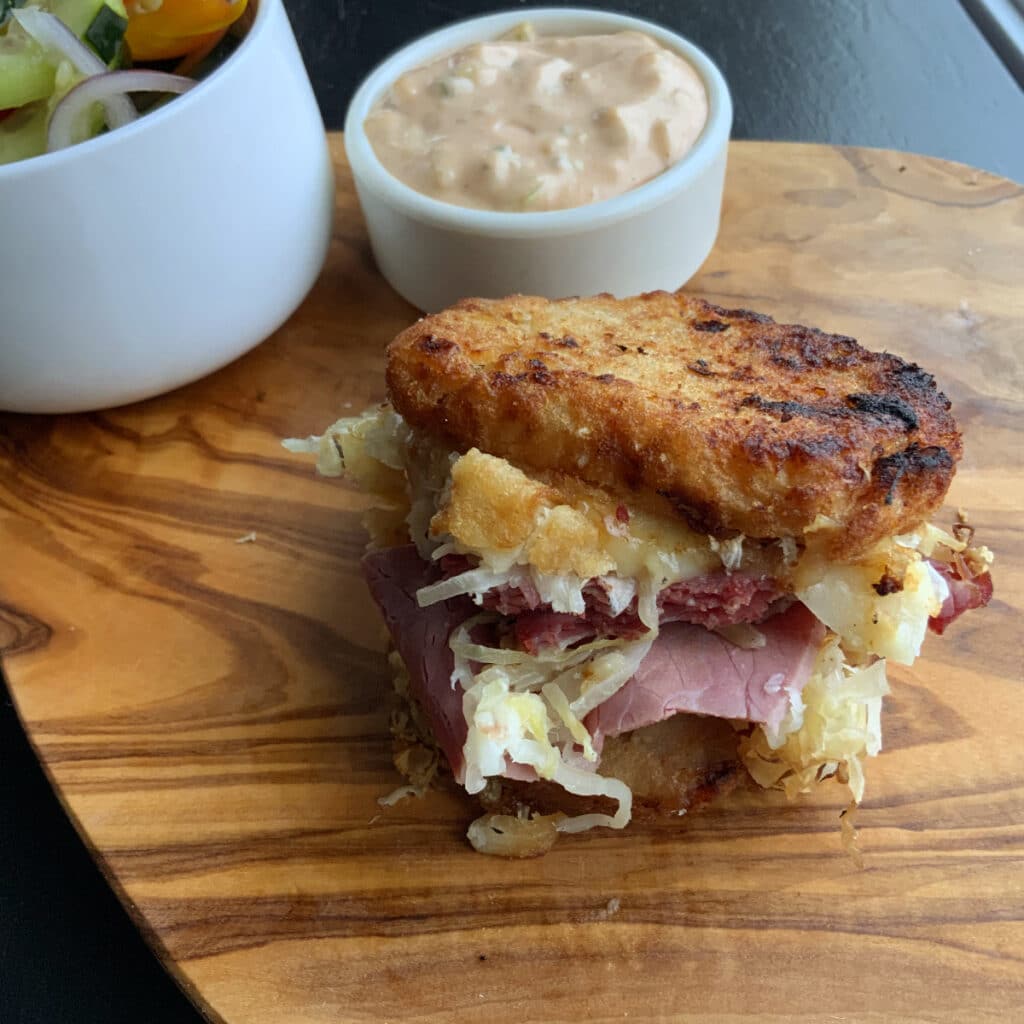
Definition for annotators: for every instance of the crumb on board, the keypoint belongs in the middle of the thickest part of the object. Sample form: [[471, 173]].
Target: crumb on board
[[248, 538], [400, 794]]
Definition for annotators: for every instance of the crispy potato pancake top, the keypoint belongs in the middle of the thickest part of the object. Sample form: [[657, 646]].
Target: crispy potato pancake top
[[739, 423]]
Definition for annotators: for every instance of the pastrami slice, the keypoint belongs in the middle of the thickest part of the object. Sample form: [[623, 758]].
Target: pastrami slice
[[691, 669], [421, 637]]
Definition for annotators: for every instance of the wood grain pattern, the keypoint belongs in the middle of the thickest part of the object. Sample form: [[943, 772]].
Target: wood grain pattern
[[214, 714]]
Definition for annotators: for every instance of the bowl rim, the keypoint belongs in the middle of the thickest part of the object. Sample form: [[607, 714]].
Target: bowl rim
[[151, 121], [372, 175]]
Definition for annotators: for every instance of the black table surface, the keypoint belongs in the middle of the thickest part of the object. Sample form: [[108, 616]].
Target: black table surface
[[905, 74]]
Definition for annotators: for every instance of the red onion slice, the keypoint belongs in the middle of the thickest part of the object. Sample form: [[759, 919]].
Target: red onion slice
[[100, 89], [52, 34]]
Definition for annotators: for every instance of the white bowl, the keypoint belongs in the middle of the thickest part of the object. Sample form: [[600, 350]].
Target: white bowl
[[147, 257], [654, 236]]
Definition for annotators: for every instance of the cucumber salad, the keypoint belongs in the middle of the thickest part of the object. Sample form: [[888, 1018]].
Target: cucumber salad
[[72, 69]]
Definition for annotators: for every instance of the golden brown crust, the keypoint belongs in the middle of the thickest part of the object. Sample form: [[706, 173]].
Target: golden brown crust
[[743, 424], [674, 767]]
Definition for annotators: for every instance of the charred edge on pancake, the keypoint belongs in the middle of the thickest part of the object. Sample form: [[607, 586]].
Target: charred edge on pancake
[[874, 406], [540, 374], [884, 405], [605, 378], [709, 326], [762, 450], [911, 376], [803, 349], [744, 374], [568, 342], [432, 344], [747, 315], [700, 367], [913, 460], [501, 380], [917, 384], [787, 410]]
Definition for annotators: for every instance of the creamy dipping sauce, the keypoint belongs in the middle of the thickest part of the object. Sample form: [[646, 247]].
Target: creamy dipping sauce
[[544, 123]]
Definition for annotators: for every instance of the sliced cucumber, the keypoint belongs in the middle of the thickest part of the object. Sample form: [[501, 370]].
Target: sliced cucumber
[[26, 73], [29, 76], [78, 15], [105, 34]]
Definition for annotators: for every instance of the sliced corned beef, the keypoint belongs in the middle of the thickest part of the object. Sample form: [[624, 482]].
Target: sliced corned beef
[[692, 669], [421, 636], [689, 668], [711, 600], [964, 594]]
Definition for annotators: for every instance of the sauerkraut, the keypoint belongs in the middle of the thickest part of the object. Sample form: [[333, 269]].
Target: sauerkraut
[[529, 710], [829, 730]]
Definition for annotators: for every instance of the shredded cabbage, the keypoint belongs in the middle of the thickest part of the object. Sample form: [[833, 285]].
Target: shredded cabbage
[[353, 444], [475, 582], [525, 671], [790, 550], [890, 626], [508, 724], [428, 472], [505, 726], [564, 592], [647, 603], [575, 780], [382, 454], [556, 697], [730, 551], [606, 674], [620, 593], [927, 537], [830, 731]]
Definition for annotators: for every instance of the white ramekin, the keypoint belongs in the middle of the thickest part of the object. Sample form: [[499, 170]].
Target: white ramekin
[[655, 236], [147, 257]]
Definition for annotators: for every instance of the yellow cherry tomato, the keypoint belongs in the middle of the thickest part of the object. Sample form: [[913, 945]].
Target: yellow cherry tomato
[[163, 29]]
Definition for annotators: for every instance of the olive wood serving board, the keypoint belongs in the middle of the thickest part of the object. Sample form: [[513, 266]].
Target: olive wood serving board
[[214, 714]]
